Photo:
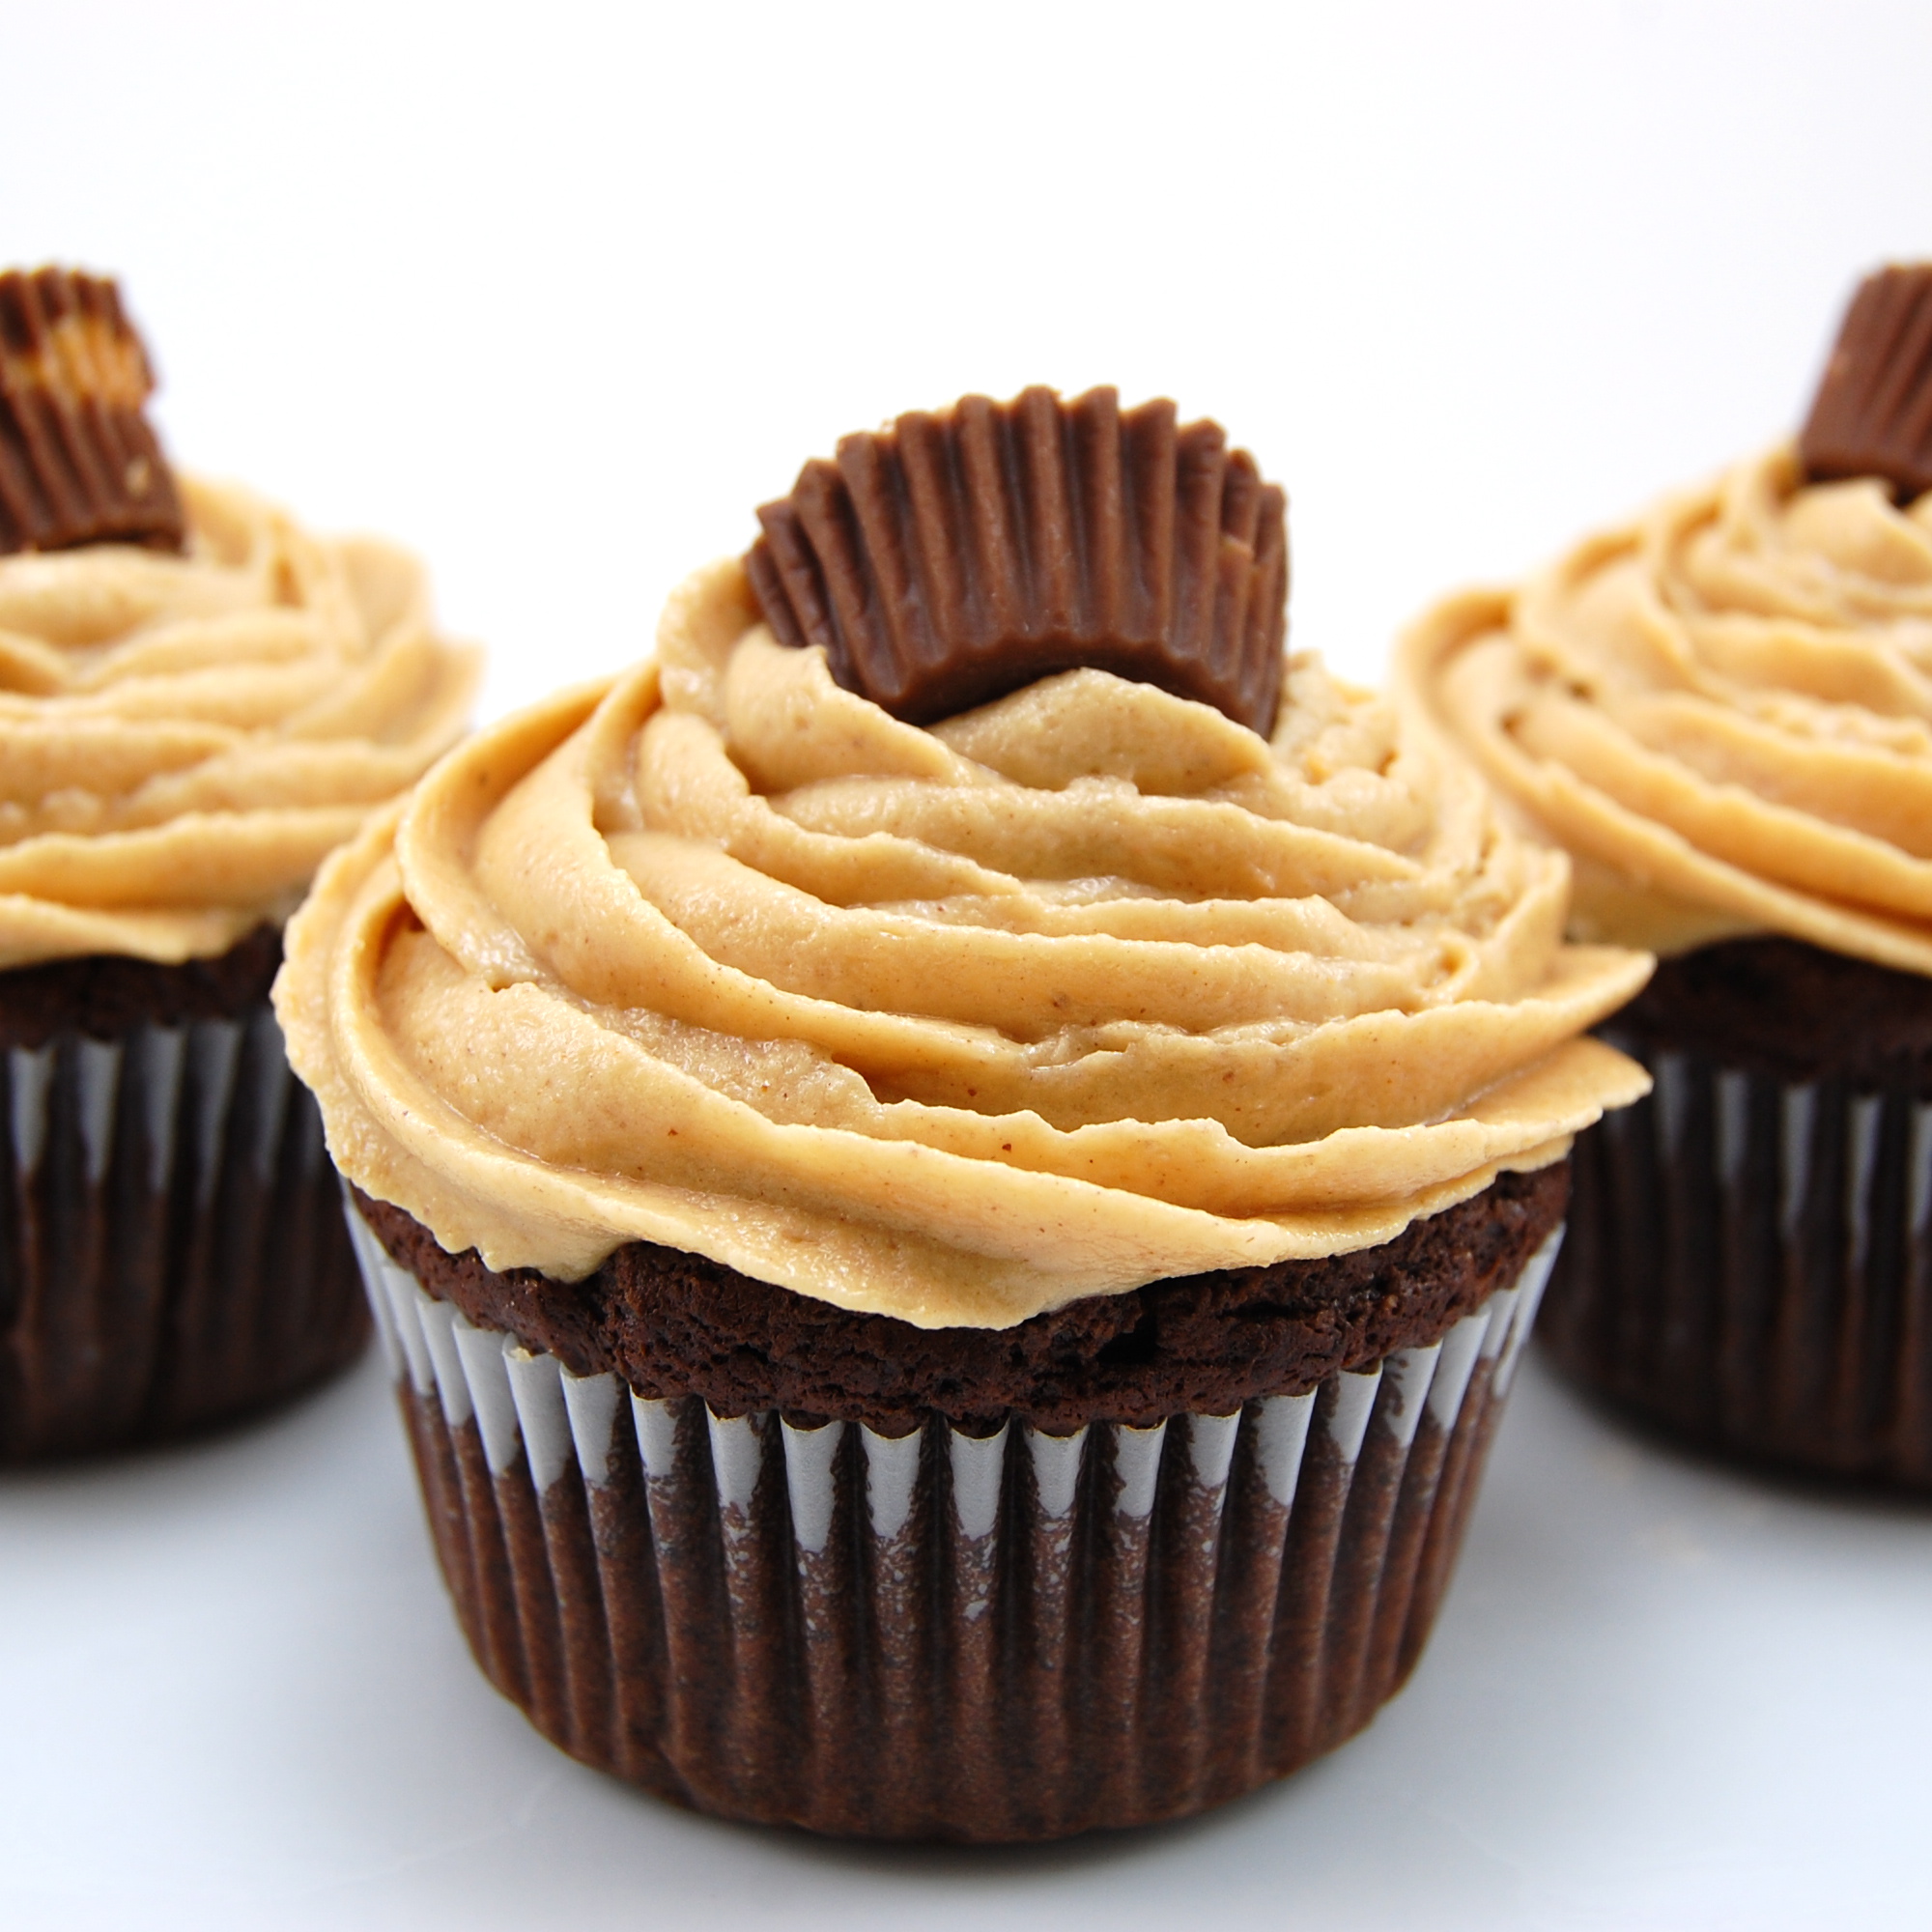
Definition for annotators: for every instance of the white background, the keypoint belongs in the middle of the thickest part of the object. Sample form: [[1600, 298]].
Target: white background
[[557, 295]]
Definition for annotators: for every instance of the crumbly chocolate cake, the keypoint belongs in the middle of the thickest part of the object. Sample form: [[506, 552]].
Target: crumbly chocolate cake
[[674, 1324], [1792, 1010], [102, 996]]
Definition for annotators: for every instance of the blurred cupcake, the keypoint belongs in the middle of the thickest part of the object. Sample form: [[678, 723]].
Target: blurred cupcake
[[956, 1282], [1724, 712], [198, 701]]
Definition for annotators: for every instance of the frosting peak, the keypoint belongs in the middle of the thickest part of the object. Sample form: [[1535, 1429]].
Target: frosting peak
[[1078, 990], [1723, 710], [184, 738]]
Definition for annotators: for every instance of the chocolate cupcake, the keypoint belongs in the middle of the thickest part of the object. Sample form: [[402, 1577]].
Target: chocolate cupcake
[[1724, 712], [956, 1281], [198, 701]]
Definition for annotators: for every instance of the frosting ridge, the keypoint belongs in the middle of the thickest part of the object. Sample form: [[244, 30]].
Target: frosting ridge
[[1723, 709], [183, 738], [1082, 989]]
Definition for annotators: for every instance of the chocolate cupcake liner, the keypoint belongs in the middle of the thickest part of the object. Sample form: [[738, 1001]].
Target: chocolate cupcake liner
[[171, 1247], [943, 1635], [1750, 1262]]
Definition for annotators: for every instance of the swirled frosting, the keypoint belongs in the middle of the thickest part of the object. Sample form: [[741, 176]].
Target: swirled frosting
[[183, 738], [1723, 710], [1082, 989]]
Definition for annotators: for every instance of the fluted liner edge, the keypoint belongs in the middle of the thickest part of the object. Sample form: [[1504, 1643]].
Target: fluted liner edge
[[943, 1636], [1750, 1262], [171, 1248]]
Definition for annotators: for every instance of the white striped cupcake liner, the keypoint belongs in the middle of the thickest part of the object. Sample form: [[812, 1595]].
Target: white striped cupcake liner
[[943, 1635], [1750, 1262], [171, 1253]]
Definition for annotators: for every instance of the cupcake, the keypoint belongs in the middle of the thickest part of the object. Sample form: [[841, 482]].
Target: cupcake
[[198, 701], [1724, 711], [955, 1168]]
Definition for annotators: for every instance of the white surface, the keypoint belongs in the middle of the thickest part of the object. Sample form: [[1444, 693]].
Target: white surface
[[1660, 1695], [558, 294]]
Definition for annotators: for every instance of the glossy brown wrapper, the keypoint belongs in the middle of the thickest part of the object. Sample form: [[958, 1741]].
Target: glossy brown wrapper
[[1872, 415], [171, 1248], [1750, 1264], [1749, 1260], [944, 1635], [957, 555]]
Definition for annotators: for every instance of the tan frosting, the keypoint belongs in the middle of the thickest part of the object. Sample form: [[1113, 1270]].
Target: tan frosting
[[183, 738], [1723, 710], [1079, 990]]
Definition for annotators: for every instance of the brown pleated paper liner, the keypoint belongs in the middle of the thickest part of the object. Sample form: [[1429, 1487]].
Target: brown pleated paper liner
[[171, 1245], [956, 557], [1872, 415], [1750, 1262], [943, 1635], [78, 462]]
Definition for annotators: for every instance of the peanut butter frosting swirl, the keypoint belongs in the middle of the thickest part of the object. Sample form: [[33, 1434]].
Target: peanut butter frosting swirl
[[183, 738], [1723, 710], [1082, 989]]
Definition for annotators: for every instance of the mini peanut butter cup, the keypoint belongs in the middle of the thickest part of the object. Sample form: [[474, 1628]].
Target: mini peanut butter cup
[[1872, 415], [78, 462], [956, 557]]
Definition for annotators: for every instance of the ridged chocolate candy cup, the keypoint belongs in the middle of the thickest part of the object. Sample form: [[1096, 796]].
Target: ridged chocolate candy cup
[[943, 1635], [171, 1249], [78, 462], [1872, 415], [1749, 1264], [956, 557]]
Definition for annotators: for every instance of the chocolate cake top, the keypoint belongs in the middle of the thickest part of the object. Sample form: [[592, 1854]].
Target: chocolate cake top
[[1872, 415], [78, 462], [671, 1322], [954, 556]]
